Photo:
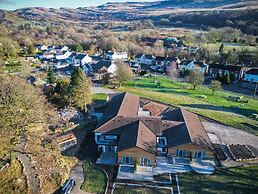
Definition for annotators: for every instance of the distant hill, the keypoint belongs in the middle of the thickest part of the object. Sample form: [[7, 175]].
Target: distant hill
[[240, 14]]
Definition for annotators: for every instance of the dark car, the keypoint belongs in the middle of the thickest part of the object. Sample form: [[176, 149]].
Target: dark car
[[68, 186]]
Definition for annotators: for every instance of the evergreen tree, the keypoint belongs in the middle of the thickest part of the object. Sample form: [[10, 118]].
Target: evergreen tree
[[79, 90], [221, 49], [51, 76]]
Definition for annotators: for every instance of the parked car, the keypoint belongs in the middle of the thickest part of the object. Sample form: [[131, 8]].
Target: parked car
[[68, 186]]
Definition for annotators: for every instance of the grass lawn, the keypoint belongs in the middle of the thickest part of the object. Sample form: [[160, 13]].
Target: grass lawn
[[122, 189], [94, 179], [230, 180], [99, 96], [180, 94]]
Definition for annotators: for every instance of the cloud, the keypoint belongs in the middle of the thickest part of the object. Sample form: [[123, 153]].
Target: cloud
[[7, 2]]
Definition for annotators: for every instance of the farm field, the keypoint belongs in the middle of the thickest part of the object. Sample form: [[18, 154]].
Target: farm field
[[216, 107]]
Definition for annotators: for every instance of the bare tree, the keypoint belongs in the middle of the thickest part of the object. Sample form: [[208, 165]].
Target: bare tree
[[215, 86], [123, 73], [195, 78]]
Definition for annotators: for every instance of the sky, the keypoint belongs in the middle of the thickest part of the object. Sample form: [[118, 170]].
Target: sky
[[16, 4]]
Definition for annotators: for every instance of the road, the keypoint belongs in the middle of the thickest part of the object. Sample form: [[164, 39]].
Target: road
[[77, 174], [102, 90]]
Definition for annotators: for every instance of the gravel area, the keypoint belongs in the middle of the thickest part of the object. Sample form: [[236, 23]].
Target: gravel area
[[229, 135]]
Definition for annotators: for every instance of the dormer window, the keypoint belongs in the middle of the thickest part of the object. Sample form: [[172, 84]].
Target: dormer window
[[162, 142]]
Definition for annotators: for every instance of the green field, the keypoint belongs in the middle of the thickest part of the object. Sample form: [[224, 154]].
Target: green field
[[231, 180], [216, 106], [94, 179], [122, 189], [100, 96]]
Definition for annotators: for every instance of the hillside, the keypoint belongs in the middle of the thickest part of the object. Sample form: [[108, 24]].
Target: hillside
[[237, 14]]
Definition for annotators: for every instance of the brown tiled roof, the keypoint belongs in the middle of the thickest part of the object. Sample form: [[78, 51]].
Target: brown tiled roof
[[137, 134], [190, 131], [179, 126], [121, 105], [155, 108]]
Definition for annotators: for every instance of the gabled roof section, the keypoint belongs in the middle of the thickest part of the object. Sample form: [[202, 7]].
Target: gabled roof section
[[121, 106], [190, 131], [137, 134]]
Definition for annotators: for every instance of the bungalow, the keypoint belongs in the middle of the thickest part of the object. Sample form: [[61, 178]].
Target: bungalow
[[149, 137], [66, 141], [82, 59], [191, 65], [110, 55], [251, 75], [220, 70]]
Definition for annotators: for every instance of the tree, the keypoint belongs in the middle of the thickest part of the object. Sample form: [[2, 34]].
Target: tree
[[80, 90], [21, 106], [78, 48], [226, 78], [51, 76], [221, 49], [123, 73], [215, 86], [8, 48], [31, 50], [195, 78]]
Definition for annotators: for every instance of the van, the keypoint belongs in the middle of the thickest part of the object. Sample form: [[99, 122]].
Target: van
[[68, 186]]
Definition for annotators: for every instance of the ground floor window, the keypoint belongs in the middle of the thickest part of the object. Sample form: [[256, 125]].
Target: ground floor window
[[199, 154], [145, 162], [127, 159], [181, 153]]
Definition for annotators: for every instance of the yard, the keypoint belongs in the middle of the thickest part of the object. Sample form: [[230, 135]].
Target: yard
[[216, 107], [231, 180], [94, 179], [119, 189], [100, 96]]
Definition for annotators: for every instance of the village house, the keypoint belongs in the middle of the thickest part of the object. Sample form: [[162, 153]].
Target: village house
[[149, 137], [220, 70], [145, 59], [251, 75], [66, 141], [103, 68], [61, 48], [82, 59], [62, 55], [160, 60], [192, 65], [47, 56], [113, 55]]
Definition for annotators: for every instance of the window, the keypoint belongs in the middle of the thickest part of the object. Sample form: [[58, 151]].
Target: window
[[127, 159], [145, 162]]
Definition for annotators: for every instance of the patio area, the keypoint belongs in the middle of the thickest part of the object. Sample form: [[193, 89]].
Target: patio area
[[127, 172], [108, 158]]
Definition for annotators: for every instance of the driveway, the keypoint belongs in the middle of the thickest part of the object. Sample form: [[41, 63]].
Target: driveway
[[77, 174], [102, 90]]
